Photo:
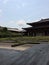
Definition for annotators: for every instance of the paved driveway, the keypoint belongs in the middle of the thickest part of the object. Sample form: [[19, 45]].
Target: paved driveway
[[36, 55]]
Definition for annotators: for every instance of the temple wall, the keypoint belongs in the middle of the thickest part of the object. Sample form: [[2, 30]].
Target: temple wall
[[40, 34]]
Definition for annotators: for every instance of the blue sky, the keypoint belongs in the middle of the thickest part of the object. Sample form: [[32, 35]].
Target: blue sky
[[16, 13]]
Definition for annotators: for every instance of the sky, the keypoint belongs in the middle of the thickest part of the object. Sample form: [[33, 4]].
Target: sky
[[16, 13]]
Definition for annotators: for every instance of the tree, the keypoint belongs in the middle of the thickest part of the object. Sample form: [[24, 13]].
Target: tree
[[5, 29]]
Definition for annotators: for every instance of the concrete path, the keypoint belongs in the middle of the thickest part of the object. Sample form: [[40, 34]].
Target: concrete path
[[36, 55], [21, 47]]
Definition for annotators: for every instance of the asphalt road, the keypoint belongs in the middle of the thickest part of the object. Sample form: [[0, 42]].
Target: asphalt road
[[36, 55]]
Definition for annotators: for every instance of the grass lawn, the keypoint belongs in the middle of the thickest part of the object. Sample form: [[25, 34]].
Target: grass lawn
[[25, 39]]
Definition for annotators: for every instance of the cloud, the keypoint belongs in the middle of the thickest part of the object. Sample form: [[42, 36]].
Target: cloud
[[21, 22], [5, 1], [17, 24]]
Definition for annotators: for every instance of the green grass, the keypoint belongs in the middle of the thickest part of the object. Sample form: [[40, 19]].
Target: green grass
[[25, 39]]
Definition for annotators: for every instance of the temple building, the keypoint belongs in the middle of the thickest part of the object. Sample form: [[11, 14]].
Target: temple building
[[39, 28]]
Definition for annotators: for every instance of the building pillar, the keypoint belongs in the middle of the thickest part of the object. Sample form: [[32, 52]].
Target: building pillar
[[28, 33], [33, 34]]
